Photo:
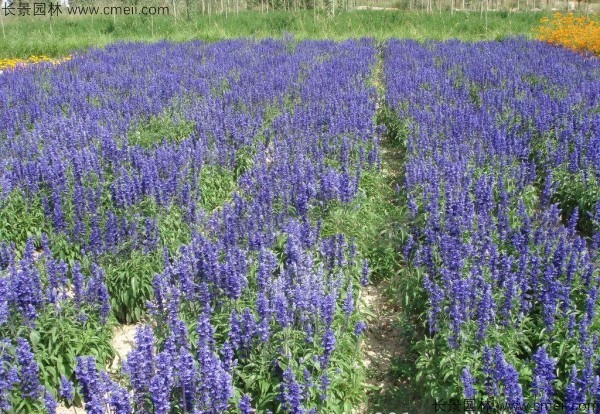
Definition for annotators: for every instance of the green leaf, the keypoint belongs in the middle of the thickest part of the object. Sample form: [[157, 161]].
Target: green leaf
[[34, 337]]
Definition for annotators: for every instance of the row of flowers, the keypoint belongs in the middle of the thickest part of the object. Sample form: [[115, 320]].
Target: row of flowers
[[510, 280]]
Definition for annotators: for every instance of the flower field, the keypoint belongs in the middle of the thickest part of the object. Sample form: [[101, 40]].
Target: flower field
[[192, 189]]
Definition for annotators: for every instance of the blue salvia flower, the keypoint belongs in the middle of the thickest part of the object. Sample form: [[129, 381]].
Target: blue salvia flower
[[298, 176], [308, 382], [324, 386], [161, 384], [443, 155], [206, 331], [58, 216], [97, 292], [111, 235], [96, 246], [228, 356], [5, 300], [249, 329], [188, 378], [119, 400], [223, 392], [291, 393], [348, 305], [92, 387], [328, 308], [509, 377], [550, 296], [488, 370], [364, 279], [329, 343], [27, 287], [267, 263], [264, 315], [293, 250], [77, 284], [468, 382], [234, 273], [281, 309], [151, 235], [351, 252], [587, 374], [572, 224], [104, 300], [50, 403], [340, 248], [7, 255], [485, 311], [140, 364], [160, 287], [436, 294], [359, 328], [574, 395], [9, 375], [67, 390], [216, 383], [28, 370], [543, 376], [245, 404]]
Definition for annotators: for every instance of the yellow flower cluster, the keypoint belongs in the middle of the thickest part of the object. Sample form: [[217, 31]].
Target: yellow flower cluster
[[15, 63], [575, 32]]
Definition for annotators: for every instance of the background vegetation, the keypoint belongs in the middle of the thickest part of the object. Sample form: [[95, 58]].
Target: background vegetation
[[26, 36]]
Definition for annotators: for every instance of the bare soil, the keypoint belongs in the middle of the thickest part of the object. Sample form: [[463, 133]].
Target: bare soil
[[123, 341], [381, 348]]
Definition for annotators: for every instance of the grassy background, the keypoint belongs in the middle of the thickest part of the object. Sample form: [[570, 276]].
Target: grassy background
[[26, 36]]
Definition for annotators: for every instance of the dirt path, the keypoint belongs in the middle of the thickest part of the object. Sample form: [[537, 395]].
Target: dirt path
[[123, 341], [385, 348], [382, 348]]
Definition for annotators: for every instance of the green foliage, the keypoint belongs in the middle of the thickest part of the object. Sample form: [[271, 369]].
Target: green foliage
[[21, 219], [397, 129], [174, 231], [61, 36], [373, 221], [129, 283], [66, 250], [217, 185], [577, 190], [60, 336], [157, 129]]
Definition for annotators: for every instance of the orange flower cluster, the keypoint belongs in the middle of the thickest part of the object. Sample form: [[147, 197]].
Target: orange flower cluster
[[14, 63], [575, 32]]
